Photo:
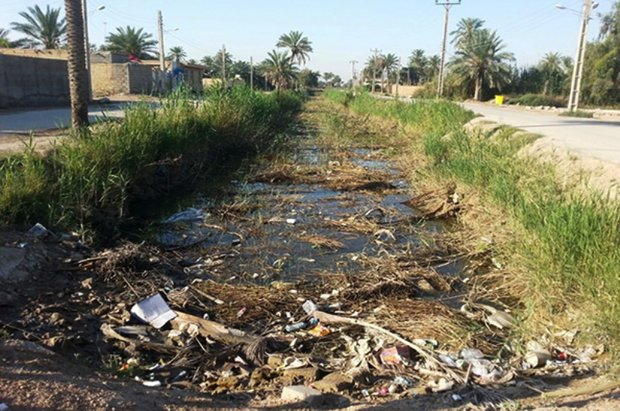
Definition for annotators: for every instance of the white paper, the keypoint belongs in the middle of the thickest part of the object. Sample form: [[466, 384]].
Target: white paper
[[154, 311]]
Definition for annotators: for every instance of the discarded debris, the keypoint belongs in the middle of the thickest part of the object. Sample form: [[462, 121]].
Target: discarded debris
[[189, 215], [38, 231], [395, 356], [154, 311], [3, 407], [299, 393], [301, 325]]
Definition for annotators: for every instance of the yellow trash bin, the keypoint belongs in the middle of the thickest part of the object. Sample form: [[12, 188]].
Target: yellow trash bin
[[499, 100]]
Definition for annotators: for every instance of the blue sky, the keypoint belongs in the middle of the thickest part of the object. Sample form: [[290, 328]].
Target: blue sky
[[341, 30]]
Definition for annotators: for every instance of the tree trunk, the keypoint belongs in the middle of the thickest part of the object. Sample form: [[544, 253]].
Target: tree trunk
[[78, 76], [478, 91]]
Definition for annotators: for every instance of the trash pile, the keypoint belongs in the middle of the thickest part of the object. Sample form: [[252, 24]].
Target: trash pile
[[296, 341]]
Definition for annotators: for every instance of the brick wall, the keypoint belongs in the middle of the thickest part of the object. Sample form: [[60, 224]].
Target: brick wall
[[109, 79], [30, 82], [140, 78]]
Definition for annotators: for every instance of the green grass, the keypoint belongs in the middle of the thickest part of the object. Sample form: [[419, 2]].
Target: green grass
[[577, 113], [570, 239], [538, 100], [89, 179]]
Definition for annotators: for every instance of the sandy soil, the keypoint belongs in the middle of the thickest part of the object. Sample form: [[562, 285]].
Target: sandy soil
[[586, 173]]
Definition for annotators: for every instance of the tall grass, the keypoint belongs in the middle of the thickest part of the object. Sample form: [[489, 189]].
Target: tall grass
[[426, 116], [90, 178], [570, 239]]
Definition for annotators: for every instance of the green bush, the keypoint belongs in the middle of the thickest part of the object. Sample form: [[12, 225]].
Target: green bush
[[538, 100]]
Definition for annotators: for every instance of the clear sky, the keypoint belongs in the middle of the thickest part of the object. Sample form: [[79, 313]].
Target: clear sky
[[341, 30]]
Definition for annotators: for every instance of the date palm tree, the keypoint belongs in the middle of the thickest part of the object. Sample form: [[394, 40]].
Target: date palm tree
[[44, 28], [554, 70], [466, 28], [418, 63], [373, 66], [4, 38], [222, 60], [129, 40], [279, 69], [78, 76], [482, 59], [177, 53], [390, 63], [298, 44], [433, 67]]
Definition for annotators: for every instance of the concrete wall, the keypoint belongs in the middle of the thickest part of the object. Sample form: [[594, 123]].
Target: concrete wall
[[31, 82]]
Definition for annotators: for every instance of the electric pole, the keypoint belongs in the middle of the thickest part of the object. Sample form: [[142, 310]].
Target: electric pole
[[575, 88], [353, 63], [160, 28], [252, 73], [375, 61], [447, 5], [224, 64], [87, 48]]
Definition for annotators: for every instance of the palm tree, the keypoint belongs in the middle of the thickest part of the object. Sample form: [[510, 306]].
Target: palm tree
[[418, 63], [482, 59], [279, 69], [373, 65], [554, 69], [128, 40], [465, 30], [177, 53], [78, 76], [298, 44], [46, 29], [4, 38], [390, 63], [433, 66], [221, 60]]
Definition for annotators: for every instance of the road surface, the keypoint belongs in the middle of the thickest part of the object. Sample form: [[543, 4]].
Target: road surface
[[26, 121], [589, 137]]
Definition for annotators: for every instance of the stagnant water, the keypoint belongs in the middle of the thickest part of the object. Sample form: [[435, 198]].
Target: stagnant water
[[267, 238]]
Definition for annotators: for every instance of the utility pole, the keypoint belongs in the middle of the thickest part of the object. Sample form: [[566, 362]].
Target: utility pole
[[87, 48], [162, 58], [399, 68], [252, 73], [224, 64], [447, 5], [160, 28], [353, 63], [375, 60], [575, 88]]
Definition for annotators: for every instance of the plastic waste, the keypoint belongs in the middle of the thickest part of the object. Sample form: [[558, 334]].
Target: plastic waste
[[191, 214], [471, 354], [301, 325]]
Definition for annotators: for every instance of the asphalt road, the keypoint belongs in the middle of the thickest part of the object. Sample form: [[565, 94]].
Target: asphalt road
[[589, 137], [25, 121]]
